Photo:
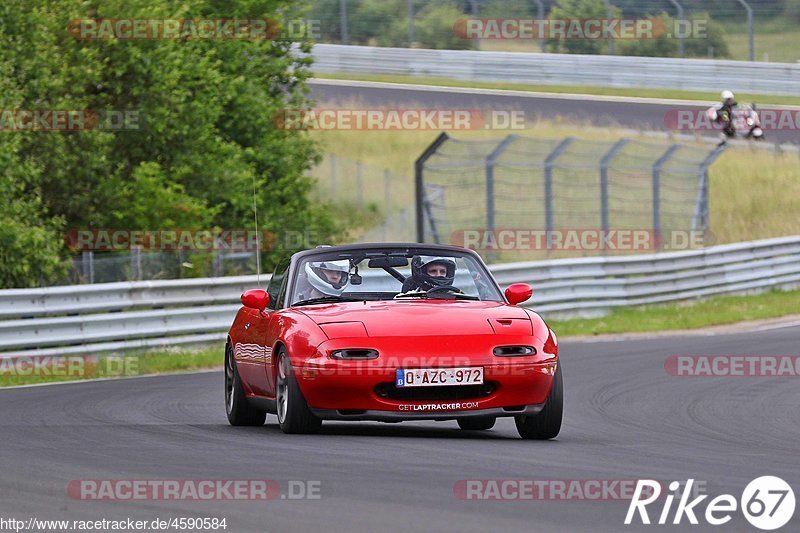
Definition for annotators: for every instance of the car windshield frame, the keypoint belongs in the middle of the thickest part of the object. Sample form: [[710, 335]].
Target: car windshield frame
[[471, 259]]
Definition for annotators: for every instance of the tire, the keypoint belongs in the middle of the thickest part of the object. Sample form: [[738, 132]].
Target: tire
[[239, 411], [294, 416], [477, 423], [546, 424]]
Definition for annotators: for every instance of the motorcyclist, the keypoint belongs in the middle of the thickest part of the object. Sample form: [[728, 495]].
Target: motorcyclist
[[725, 113], [430, 272], [326, 278]]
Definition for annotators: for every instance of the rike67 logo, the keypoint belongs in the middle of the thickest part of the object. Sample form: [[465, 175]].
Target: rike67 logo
[[767, 503]]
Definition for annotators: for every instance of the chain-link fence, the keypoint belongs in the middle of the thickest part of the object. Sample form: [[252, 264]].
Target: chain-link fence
[[137, 265], [347, 182], [738, 29], [521, 197]]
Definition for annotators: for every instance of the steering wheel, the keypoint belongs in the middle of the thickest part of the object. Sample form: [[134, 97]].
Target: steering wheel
[[442, 288]]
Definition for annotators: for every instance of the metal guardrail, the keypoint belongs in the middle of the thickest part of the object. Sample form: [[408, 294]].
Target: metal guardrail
[[117, 316], [562, 69]]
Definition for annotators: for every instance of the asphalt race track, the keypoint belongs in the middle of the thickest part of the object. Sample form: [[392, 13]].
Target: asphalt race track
[[625, 418], [600, 112]]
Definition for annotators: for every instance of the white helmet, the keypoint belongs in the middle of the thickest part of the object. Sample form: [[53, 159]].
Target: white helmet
[[727, 96], [328, 277]]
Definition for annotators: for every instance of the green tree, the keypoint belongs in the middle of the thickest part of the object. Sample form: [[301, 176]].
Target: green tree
[[579, 9], [206, 135], [433, 28]]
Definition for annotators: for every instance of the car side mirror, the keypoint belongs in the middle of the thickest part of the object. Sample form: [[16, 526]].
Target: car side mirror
[[255, 299], [518, 293]]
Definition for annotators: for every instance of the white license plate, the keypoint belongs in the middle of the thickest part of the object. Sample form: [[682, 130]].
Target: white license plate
[[437, 377]]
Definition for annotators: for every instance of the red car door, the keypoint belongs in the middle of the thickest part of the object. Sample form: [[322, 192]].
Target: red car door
[[249, 351]]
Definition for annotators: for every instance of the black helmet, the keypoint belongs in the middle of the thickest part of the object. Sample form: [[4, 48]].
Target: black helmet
[[419, 271]]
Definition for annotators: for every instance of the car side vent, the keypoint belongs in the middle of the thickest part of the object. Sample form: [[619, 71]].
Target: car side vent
[[514, 351]]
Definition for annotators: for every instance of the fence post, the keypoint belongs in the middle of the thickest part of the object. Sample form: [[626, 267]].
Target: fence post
[[610, 15], [419, 184], [360, 183], [604, 163], [87, 265], [411, 30], [490, 161], [333, 175], [219, 263], [540, 15], [136, 263], [657, 166], [343, 21], [752, 44], [700, 219], [679, 7], [549, 162]]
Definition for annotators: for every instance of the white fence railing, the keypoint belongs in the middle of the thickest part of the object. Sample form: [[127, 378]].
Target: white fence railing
[[562, 69], [116, 316]]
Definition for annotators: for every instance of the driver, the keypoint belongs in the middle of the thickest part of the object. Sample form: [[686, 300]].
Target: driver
[[430, 272], [327, 278]]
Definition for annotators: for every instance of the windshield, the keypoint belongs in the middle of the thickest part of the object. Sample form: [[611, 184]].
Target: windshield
[[377, 274]]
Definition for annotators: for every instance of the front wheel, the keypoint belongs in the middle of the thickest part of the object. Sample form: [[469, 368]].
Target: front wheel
[[239, 411], [546, 424], [294, 416]]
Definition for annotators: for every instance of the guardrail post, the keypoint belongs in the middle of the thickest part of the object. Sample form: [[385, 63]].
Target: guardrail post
[[657, 166], [419, 184], [681, 48], [549, 162], [700, 219], [604, 163], [490, 161]]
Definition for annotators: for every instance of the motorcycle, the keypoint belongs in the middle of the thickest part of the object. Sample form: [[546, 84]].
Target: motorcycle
[[744, 120]]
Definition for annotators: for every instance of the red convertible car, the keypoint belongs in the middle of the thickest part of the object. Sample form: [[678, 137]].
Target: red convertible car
[[391, 332]]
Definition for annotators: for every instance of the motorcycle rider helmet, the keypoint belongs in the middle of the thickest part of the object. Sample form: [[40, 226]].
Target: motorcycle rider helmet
[[328, 277], [727, 97], [419, 271]]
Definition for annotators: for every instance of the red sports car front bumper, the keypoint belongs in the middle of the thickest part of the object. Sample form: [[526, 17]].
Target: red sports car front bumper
[[365, 390]]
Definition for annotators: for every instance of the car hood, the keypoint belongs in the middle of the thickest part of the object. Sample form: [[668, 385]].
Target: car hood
[[418, 318]]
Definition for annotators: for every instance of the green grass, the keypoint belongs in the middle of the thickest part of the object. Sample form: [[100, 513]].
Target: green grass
[[691, 315], [776, 39], [115, 366], [572, 89]]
